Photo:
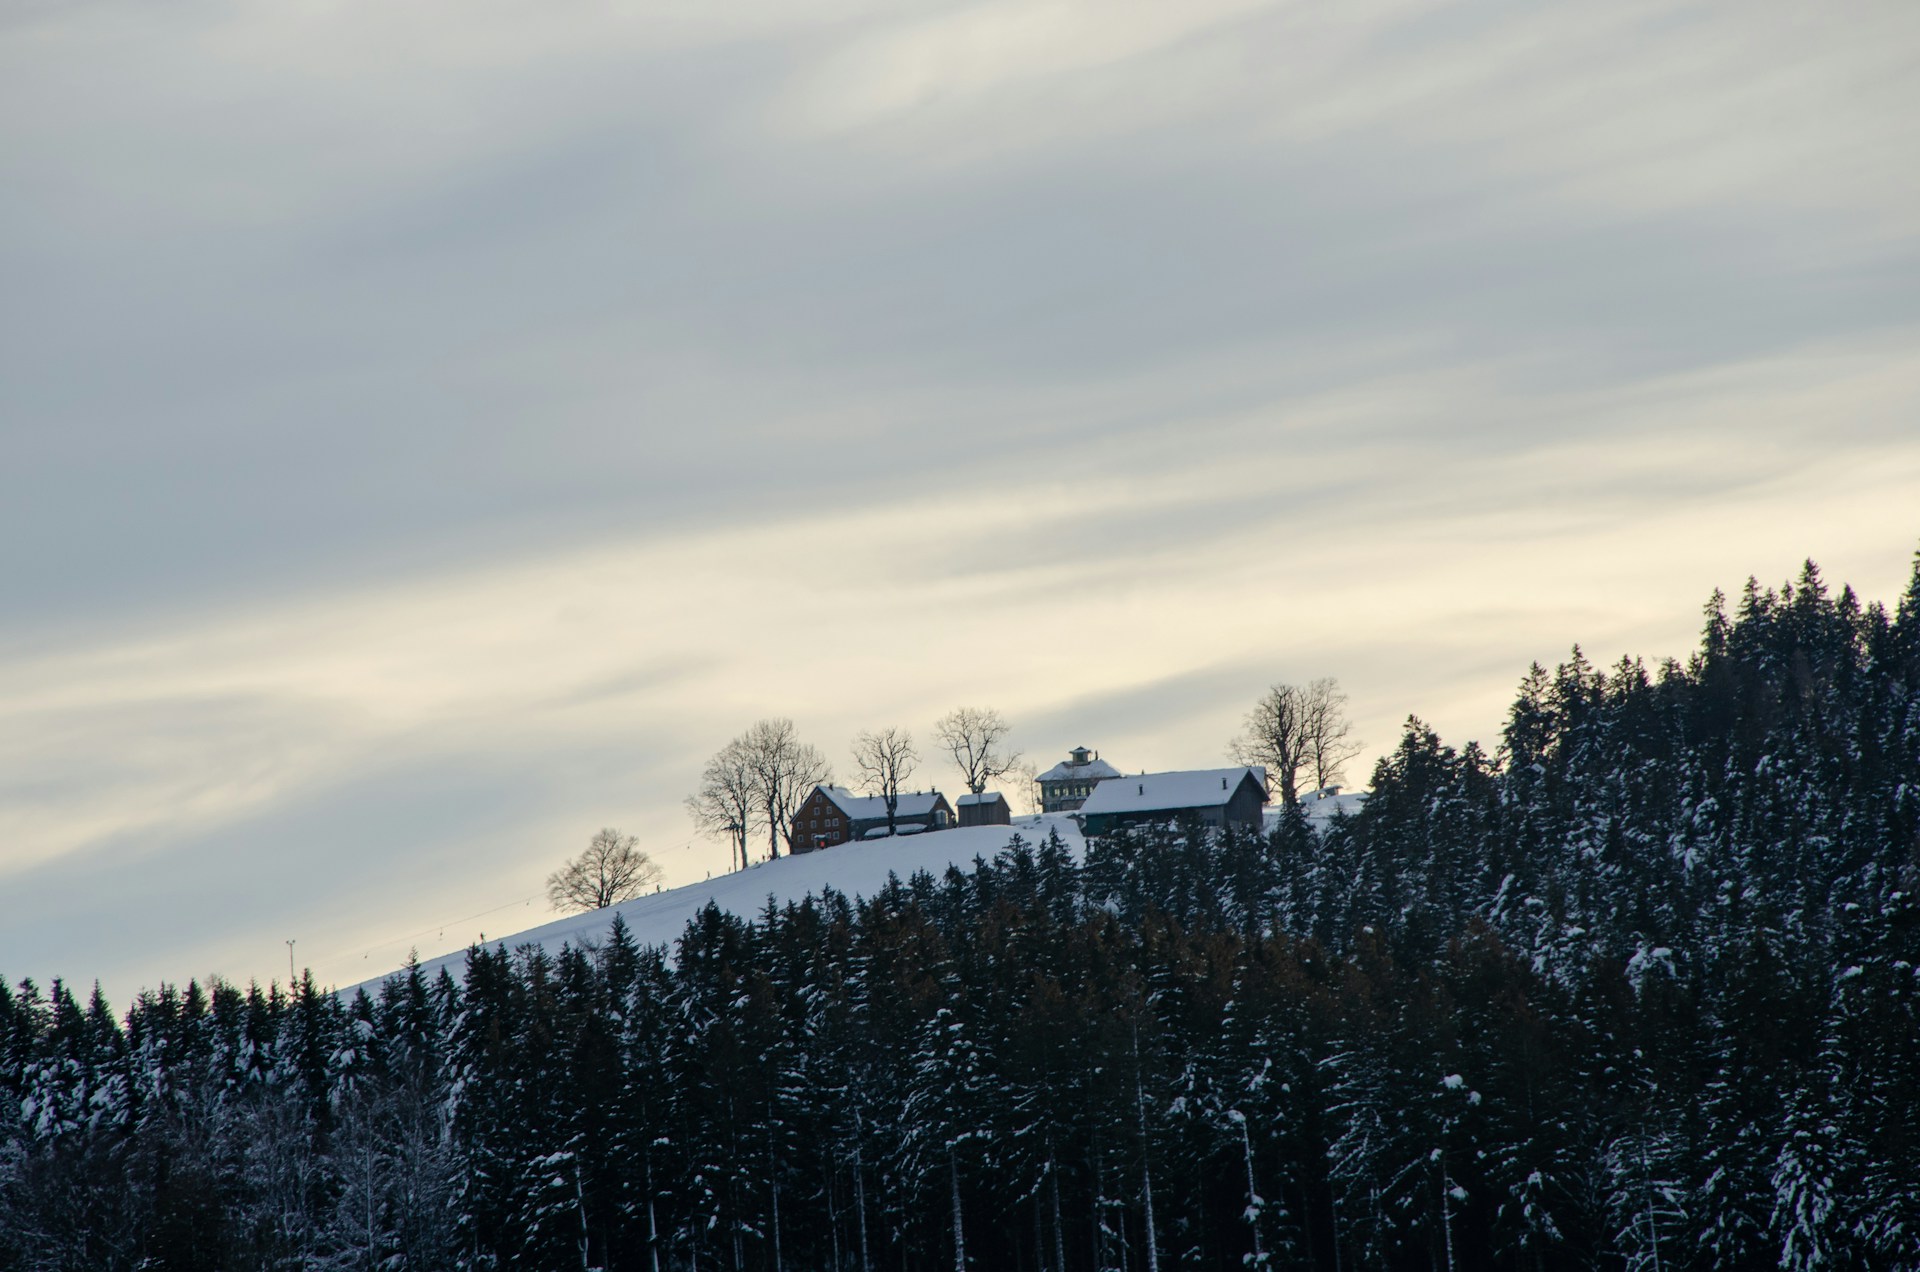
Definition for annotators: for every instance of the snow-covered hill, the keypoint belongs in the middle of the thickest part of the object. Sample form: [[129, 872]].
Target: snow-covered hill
[[857, 869]]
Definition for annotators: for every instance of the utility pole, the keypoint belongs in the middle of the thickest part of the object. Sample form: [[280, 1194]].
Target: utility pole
[[290, 975]]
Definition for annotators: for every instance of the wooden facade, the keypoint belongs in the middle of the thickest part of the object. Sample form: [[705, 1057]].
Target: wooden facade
[[832, 815], [820, 823], [987, 809]]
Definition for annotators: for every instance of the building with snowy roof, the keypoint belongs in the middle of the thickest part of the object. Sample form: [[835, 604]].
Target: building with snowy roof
[[1067, 784], [1216, 797], [833, 815], [990, 808]]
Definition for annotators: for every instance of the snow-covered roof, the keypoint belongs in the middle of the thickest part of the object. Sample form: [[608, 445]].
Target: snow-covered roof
[[869, 807], [1323, 808], [880, 831], [1095, 769], [988, 797], [1165, 792]]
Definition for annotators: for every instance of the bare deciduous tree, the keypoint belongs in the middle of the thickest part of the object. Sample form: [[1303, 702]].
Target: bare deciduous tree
[[785, 770], [728, 802], [885, 761], [611, 870], [1295, 729], [1275, 737], [973, 736], [1023, 788], [1330, 743]]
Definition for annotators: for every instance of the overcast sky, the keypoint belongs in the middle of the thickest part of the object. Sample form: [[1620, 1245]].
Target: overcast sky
[[428, 431]]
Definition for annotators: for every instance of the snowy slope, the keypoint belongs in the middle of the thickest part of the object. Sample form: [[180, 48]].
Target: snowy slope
[[1321, 808], [856, 869]]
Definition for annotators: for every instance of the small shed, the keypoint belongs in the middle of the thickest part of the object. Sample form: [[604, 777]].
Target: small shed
[[990, 808]]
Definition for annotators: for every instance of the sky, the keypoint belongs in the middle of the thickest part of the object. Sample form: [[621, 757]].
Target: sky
[[429, 431]]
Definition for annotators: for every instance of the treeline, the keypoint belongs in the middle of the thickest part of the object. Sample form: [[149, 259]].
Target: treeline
[[1636, 989]]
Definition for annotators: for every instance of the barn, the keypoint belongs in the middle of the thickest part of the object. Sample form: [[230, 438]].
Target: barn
[[1216, 797]]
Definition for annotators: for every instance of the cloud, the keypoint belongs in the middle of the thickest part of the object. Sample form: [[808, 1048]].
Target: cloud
[[494, 408]]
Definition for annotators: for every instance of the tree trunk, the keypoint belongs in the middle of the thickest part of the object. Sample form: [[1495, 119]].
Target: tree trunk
[[1253, 1196], [1146, 1157], [860, 1196], [959, 1230], [773, 1180], [776, 1226], [831, 1190], [371, 1253], [1059, 1226], [1100, 1214], [1333, 1219], [580, 1208]]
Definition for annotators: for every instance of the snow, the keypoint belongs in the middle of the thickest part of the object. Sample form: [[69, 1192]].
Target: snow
[[990, 797], [1322, 808], [1096, 770], [868, 807], [858, 869], [1643, 959], [1155, 792]]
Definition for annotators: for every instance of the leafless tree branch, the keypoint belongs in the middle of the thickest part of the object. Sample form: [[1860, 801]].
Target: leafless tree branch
[[728, 802], [1296, 729], [973, 736], [611, 870], [885, 760], [784, 770]]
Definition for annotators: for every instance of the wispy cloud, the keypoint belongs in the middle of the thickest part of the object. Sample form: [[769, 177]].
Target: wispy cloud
[[490, 410]]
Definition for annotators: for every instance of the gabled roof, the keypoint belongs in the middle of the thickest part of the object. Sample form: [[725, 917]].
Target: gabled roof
[[1096, 769], [1171, 792], [872, 807], [988, 797]]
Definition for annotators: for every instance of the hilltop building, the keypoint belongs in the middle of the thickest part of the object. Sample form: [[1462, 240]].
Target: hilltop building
[[1217, 797], [1065, 786], [833, 815], [987, 809]]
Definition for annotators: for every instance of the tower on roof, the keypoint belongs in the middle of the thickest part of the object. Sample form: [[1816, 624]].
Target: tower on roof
[[1065, 786]]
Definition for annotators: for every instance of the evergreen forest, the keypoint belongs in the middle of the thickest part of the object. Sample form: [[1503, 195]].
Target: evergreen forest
[[1634, 988]]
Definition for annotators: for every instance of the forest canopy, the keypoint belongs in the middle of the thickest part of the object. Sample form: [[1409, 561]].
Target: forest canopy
[[1634, 988]]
